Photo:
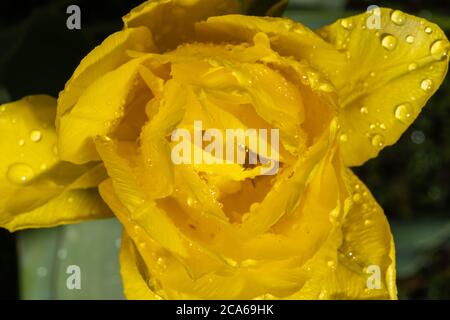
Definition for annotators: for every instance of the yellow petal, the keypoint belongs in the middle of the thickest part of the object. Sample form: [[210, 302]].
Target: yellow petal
[[134, 285], [172, 21], [38, 189], [99, 111], [342, 268], [109, 55], [387, 78]]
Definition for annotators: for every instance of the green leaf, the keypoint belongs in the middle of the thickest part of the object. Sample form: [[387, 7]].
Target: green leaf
[[45, 255], [416, 241]]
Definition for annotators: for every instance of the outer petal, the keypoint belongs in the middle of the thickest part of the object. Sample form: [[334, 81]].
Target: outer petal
[[134, 285], [341, 268], [37, 189], [172, 21], [109, 55], [387, 78], [99, 111]]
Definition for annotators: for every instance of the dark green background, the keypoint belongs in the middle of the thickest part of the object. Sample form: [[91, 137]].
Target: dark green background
[[410, 179]]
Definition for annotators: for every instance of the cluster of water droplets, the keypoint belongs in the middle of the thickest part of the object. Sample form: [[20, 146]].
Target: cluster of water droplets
[[403, 112], [21, 173]]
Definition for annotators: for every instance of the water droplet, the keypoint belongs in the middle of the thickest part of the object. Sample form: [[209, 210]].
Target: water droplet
[[55, 150], [344, 137], [382, 126], [398, 17], [372, 74], [42, 272], [439, 49], [409, 39], [364, 110], [428, 30], [389, 42], [417, 137], [331, 264], [346, 24], [377, 141], [403, 112], [426, 85], [21, 142], [368, 222], [191, 202], [20, 173], [372, 126], [412, 67], [356, 197], [62, 254], [35, 136], [254, 206], [117, 243]]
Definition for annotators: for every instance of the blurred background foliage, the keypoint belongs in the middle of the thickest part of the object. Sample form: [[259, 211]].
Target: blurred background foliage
[[410, 180]]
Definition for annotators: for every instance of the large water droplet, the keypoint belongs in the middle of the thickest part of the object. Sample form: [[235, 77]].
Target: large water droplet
[[403, 112], [426, 85], [20, 173], [409, 39], [377, 141], [398, 17], [439, 49], [389, 42], [35, 135]]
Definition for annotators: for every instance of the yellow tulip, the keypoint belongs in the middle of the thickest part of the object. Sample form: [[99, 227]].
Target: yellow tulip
[[225, 231]]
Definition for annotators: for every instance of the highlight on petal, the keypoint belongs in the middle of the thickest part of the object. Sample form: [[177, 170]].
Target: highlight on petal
[[38, 189], [388, 76]]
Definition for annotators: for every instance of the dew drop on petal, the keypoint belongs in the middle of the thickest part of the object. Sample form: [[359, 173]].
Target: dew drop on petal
[[403, 112], [428, 30], [377, 141], [343, 137], [331, 264], [356, 197], [412, 67], [426, 85], [21, 142], [439, 49], [364, 110], [346, 24], [398, 17], [35, 136], [389, 42], [409, 39], [19, 173]]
